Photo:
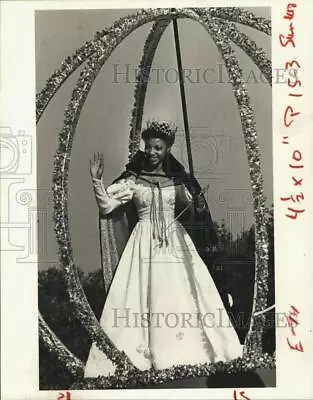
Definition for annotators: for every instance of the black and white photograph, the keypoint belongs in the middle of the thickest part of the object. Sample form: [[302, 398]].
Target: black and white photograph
[[167, 166], [156, 200]]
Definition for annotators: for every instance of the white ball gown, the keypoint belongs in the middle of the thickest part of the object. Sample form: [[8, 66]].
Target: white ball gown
[[162, 308]]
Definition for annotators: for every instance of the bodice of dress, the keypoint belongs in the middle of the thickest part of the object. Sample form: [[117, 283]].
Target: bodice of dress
[[155, 203], [163, 199]]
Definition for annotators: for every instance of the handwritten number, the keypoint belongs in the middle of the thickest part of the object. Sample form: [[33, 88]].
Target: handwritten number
[[242, 394], [64, 396]]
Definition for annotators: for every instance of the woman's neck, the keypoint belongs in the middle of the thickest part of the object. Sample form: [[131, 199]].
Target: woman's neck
[[154, 170]]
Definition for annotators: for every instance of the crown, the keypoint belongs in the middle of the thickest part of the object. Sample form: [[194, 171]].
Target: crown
[[163, 128]]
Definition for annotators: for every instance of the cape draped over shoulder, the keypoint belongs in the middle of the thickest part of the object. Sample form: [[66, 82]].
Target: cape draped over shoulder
[[116, 227]]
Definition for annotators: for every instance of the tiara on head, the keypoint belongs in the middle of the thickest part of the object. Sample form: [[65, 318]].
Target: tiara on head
[[165, 129]]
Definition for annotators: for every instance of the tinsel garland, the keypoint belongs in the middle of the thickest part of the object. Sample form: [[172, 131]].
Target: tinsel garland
[[157, 377], [59, 76], [239, 15], [243, 41], [71, 63], [141, 84], [257, 54], [106, 42], [53, 344], [254, 338]]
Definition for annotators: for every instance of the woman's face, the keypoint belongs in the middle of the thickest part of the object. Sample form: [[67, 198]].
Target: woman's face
[[155, 150]]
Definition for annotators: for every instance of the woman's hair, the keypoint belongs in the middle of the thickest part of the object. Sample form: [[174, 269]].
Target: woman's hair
[[160, 130]]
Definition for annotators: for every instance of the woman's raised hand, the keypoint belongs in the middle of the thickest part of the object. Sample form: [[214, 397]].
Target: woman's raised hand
[[96, 165]]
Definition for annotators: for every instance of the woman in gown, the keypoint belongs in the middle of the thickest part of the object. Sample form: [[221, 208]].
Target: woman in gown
[[162, 308]]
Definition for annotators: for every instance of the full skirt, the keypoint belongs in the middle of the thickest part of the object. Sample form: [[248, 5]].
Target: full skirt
[[163, 308]]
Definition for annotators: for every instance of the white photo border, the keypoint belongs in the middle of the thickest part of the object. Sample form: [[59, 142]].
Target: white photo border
[[293, 253]]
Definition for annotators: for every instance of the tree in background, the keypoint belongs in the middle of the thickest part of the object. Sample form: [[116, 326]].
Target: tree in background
[[234, 275], [57, 311]]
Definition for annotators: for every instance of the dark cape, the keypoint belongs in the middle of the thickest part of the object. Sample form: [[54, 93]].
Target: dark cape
[[116, 227]]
